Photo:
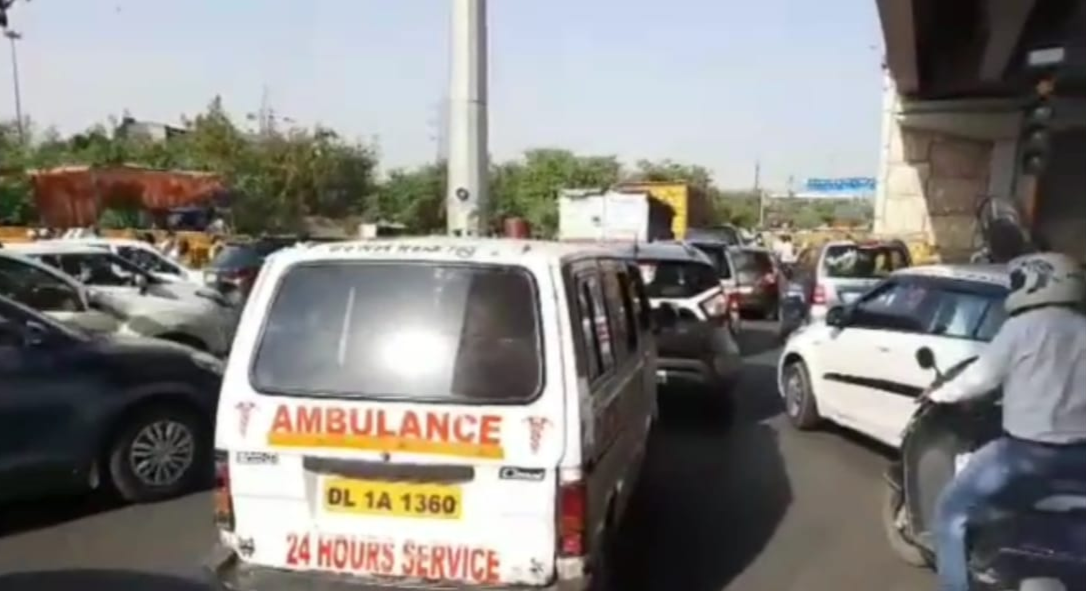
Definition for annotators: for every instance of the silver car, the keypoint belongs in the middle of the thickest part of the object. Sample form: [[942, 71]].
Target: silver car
[[838, 272]]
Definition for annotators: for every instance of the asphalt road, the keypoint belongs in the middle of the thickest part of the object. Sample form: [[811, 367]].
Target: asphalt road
[[755, 507]]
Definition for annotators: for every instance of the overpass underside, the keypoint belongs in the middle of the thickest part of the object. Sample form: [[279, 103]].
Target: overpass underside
[[957, 80]]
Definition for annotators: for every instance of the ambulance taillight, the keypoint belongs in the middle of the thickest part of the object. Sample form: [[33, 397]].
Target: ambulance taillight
[[224, 504]]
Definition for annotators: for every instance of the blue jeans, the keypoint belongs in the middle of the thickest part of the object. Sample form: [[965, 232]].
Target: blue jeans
[[1006, 473]]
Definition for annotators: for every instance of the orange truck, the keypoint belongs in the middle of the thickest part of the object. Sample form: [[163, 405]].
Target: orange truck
[[690, 205]]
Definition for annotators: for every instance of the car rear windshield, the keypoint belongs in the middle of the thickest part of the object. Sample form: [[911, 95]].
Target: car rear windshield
[[857, 261], [676, 279], [428, 332], [233, 256], [719, 257], [751, 265]]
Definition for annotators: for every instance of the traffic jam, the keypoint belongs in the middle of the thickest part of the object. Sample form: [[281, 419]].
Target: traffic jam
[[441, 410]]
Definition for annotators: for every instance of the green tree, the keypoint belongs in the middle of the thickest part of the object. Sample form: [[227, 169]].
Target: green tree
[[413, 197], [529, 188], [671, 171]]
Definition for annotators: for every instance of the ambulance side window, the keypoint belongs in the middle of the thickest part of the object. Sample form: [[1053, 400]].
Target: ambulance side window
[[600, 323], [629, 309], [616, 313], [589, 339], [640, 299]]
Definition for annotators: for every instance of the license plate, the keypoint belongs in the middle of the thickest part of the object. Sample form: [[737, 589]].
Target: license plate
[[960, 461], [392, 499]]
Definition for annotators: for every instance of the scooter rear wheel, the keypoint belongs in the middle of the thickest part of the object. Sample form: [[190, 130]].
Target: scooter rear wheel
[[892, 508]]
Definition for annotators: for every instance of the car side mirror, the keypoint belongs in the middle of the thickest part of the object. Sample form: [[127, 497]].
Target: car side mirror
[[837, 316], [142, 283], [665, 316], [925, 358]]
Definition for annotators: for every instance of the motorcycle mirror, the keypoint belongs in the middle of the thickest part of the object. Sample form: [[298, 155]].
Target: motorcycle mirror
[[925, 358]]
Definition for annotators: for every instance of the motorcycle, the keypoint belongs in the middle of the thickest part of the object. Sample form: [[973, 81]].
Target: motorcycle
[[1042, 548]]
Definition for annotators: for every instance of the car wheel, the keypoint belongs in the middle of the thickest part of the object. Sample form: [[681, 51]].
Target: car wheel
[[603, 569], [799, 400], [158, 454], [894, 525]]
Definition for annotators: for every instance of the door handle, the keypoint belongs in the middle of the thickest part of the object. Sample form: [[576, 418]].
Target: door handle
[[883, 349]]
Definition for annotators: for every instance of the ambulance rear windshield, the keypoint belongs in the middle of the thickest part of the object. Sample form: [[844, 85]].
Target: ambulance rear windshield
[[403, 331]]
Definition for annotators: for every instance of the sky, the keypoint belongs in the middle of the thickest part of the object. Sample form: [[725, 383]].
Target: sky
[[794, 84]]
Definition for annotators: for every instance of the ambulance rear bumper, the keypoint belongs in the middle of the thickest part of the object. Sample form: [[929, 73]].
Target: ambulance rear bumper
[[229, 573]]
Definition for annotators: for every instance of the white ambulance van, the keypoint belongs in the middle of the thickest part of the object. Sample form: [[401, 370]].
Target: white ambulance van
[[433, 412]]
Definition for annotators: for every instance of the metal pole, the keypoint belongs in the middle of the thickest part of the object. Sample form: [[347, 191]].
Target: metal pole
[[468, 164], [13, 36]]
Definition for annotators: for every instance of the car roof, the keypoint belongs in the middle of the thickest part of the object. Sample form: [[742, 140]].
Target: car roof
[[714, 235], [977, 273], [664, 251], [437, 248], [105, 240], [759, 249], [54, 247], [866, 243]]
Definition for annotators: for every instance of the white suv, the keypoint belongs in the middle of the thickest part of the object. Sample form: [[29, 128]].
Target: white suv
[[856, 368]]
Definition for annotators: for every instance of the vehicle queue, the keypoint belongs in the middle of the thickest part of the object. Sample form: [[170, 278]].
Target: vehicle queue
[[478, 408]]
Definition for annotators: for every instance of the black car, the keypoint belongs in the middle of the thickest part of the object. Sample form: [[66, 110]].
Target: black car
[[235, 267], [79, 411], [696, 342], [726, 234], [759, 282]]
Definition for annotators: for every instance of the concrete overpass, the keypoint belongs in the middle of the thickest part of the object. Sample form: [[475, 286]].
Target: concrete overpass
[[957, 78]]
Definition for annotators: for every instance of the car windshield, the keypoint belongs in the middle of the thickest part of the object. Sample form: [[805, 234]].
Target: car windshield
[[751, 265], [719, 258], [724, 234], [402, 331], [856, 261], [98, 268], [233, 256], [676, 279]]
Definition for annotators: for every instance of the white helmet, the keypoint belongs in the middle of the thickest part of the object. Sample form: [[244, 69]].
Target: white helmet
[[1045, 279]]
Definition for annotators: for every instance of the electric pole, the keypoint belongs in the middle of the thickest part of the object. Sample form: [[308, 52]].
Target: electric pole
[[468, 156], [13, 37], [760, 194]]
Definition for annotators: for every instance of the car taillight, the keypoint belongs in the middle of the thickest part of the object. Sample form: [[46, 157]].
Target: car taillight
[[819, 296], [716, 306], [733, 303], [224, 504], [572, 499]]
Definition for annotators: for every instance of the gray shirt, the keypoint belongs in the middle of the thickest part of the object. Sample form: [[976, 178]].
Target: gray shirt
[[1040, 359]]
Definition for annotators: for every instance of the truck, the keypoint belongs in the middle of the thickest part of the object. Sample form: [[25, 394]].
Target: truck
[[689, 204], [605, 215]]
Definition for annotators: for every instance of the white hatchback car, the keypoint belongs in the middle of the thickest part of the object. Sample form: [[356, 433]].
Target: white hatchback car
[[856, 368], [145, 256], [99, 291]]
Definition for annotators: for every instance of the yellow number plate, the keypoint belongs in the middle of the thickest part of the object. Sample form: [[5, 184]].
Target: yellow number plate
[[392, 499]]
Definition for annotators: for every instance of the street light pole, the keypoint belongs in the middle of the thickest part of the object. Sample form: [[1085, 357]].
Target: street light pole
[[14, 36], [468, 154]]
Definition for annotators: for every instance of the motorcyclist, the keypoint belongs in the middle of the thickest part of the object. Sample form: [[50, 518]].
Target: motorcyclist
[[1039, 358]]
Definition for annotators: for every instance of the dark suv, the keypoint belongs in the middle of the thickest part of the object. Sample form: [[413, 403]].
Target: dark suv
[[696, 344], [79, 411]]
